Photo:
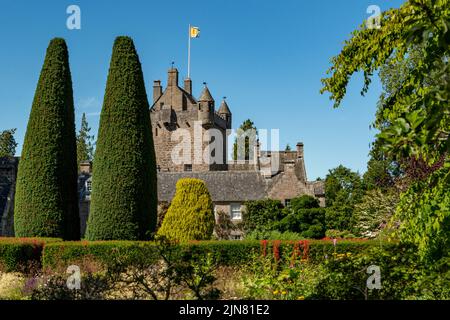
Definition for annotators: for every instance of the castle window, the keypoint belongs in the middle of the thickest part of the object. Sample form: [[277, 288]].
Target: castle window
[[188, 167], [287, 203], [89, 185], [235, 209]]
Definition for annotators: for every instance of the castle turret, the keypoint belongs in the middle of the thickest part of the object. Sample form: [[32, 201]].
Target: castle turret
[[224, 112], [206, 107]]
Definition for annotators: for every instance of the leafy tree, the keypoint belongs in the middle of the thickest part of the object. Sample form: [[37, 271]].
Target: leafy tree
[[414, 115], [46, 200], [425, 214], [190, 215], [375, 211], [85, 147], [261, 215], [8, 144], [343, 189], [288, 147], [303, 216], [303, 202], [124, 197], [247, 129], [382, 172]]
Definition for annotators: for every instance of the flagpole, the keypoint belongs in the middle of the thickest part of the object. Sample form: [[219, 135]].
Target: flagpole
[[189, 53]]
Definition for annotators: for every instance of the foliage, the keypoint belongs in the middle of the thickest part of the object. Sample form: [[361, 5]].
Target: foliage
[[11, 285], [261, 215], [46, 199], [94, 286], [402, 276], [85, 147], [303, 202], [21, 254], [8, 144], [58, 255], [343, 189], [273, 235], [124, 197], [162, 211], [382, 173], [247, 129], [266, 279], [190, 215], [309, 223], [416, 114], [375, 211], [224, 226], [424, 211], [173, 269]]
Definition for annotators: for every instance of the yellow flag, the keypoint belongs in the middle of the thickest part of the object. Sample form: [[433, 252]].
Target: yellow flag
[[194, 32]]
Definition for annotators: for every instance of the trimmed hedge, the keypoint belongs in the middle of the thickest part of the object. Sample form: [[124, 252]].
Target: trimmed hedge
[[59, 255], [20, 254], [46, 199], [124, 195]]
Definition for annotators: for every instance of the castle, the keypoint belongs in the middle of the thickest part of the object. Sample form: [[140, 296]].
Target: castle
[[175, 113]]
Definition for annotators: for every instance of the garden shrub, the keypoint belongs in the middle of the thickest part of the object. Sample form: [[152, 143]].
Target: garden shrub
[[261, 215], [309, 223], [402, 276], [424, 212], [22, 254], [190, 215], [59, 255], [124, 204], [46, 198]]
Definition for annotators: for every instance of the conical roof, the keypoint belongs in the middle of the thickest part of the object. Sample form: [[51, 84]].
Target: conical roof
[[224, 109], [206, 95]]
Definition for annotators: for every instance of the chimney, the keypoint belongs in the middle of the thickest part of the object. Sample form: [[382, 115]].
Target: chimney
[[86, 167], [300, 150], [157, 90], [188, 85], [173, 77]]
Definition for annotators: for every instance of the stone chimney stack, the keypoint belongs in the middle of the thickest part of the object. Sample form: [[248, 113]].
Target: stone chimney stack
[[157, 90], [188, 85], [173, 77], [300, 150]]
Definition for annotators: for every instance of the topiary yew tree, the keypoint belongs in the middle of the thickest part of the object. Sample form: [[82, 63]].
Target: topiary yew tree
[[124, 198], [190, 215], [46, 200]]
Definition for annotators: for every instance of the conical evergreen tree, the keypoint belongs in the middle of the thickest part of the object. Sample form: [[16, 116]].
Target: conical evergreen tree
[[124, 198], [46, 200]]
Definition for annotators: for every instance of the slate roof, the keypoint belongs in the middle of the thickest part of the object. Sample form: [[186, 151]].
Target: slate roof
[[223, 186]]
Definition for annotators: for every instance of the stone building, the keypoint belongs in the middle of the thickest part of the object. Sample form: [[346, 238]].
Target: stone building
[[175, 113], [8, 174]]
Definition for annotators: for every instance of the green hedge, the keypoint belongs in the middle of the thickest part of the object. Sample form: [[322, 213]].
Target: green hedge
[[59, 255], [21, 254]]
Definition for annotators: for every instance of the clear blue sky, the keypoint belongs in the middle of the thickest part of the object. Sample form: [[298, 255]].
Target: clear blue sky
[[267, 57]]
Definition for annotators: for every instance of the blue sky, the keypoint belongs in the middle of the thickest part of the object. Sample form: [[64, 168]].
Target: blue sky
[[267, 57]]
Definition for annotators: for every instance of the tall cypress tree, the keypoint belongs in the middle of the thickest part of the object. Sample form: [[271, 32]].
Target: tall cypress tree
[[46, 200], [124, 199]]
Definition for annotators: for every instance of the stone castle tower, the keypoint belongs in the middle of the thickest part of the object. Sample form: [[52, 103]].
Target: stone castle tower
[[176, 108]]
